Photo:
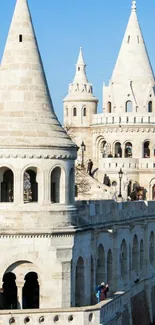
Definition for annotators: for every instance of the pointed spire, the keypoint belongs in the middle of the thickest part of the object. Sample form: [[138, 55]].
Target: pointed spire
[[133, 8], [27, 112], [133, 61], [80, 58], [80, 75]]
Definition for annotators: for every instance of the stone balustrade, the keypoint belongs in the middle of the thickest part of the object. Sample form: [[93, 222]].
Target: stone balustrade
[[126, 119], [109, 310], [127, 164]]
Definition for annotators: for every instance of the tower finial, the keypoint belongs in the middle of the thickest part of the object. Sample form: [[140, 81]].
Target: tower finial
[[134, 6]]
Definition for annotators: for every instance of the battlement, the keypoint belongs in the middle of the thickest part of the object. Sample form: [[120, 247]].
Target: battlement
[[127, 119], [110, 212]]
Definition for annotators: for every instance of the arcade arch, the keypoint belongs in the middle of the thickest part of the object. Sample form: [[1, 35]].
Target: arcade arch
[[123, 259], [6, 185], [109, 267], [79, 283], [58, 185], [100, 268], [146, 149], [141, 256], [135, 264], [151, 248], [30, 185]]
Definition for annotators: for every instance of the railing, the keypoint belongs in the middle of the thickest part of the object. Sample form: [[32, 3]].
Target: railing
[[126, 119], [101, 313], [126, 163]]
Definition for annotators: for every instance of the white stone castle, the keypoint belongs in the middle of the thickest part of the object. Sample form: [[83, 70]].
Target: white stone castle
[[55, 251], [123, 135]]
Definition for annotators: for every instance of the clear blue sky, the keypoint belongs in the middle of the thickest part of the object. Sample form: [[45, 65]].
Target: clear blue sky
[[62, 26]]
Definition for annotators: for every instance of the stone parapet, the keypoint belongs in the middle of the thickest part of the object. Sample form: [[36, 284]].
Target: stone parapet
[[127, 119], [109, 212], [111, 310]]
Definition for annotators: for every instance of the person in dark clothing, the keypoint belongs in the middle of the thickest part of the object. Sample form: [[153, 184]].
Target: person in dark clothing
[[106, 180], [90, 166]]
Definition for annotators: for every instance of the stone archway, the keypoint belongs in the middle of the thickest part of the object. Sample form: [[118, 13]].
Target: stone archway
[[123, 259], [30, 294], [9, 296], [21, 270], [100, 269], [6, 185], [79, 283], [135, 255], [109, 268]]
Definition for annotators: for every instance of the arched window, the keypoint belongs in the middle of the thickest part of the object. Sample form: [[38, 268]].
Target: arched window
[[118, 150], [9, 291], [55, 185], [151, 248], [128, 106], [31, 291], [135, 254], [109, 268], [153, 192], [150, 107], [30, 185], [109, 107], [128, 150], [6, 185], [66, 111], [100, 269], [146, 149], [92, 281], [123, 260], [74, 111], [79, 283], [71, 185], [84, 111]]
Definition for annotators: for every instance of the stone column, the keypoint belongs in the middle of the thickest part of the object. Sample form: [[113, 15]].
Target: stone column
[[67, 189], [18, 187], [20, 285], [66, 284], [115, 262], [46, 188], [64, 255]]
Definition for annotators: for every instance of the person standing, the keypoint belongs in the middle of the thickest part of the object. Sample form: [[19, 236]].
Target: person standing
[[90, 166]]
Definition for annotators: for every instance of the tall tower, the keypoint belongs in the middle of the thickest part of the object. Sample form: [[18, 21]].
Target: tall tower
[[80, 103], [36, 178], [132, 85], [79, 106]]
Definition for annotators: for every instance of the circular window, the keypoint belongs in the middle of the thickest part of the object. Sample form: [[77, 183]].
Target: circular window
[[114, 183], [11, 320], [41, 319], [70, 318], [27, 320], [56, 319]]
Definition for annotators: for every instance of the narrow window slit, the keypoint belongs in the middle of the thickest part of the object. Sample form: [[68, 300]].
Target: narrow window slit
[[20, 38]]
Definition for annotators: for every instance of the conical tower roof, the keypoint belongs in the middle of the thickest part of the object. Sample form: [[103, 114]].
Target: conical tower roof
[[133, 62], [80, 75], [80, 88], [27, 117]]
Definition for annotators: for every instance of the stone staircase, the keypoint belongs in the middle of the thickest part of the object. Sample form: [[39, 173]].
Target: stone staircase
[[88, 188]]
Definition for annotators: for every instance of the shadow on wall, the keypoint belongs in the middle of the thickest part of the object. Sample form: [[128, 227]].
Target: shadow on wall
[[140, 309]]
